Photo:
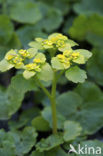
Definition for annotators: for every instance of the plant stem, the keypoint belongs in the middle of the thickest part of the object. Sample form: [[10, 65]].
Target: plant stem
[[43, 88], [53, 105], [52, 98]]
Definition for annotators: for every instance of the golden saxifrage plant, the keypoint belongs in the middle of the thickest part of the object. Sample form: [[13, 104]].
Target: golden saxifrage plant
[[47, 60]]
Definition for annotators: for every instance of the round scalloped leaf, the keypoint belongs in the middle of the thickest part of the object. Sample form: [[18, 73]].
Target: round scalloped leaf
[[40, 124], [52, 20], [36, 45], [6, 144], [75, 74], [77, 30], [25, 119], [28, 74], [41, 57], [46, 73], [56, 64], [89, 7], [71, 130], [95, 66], [11, 99], [30, 32], [25, 140], [32, 52], [49, 143], [4, 65], [83, 57], [92, 32], [85, 106], [86, 53], [71, 100], [25, 12]]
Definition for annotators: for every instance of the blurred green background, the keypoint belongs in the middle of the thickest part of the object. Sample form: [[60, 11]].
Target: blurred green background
[[82, 20]]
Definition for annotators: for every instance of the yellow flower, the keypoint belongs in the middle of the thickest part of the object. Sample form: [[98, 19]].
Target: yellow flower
[[75, 55], [33, 67], [57, 37], [60, 56], [17, 59], [47, 42], [60, 44], [67, 52], [37, 60], [64, 60], [24, 53], [10, 57]]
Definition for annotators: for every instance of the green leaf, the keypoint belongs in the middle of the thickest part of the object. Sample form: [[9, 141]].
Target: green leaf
[[41, 56], [75, 74], [95, 66], [70, 100], [46, 73], [47, 115], [92, 32], [11, 99], [91, 93], [6, 144], [83, 57], [62, 5], [86, 53], [54, 152], [30, 32], [49, 143], [35, 45], [6, 29], [4, 65], [85, 106], [25, 12], [56, 64], [68, 44], [71, 130], [14, 43], [28, 74], [25, 140], [40, 124], [89, 7], [52, 19], [77, 30], [25, 118]]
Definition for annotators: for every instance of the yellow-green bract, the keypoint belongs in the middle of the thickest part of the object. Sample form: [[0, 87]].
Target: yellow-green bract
[[33, 61]]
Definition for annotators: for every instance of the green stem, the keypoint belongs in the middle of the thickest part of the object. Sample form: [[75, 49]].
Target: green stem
[[53, 105], [43, 88], [52, 98]]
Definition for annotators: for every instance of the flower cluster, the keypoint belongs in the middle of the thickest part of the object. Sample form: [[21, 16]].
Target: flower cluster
[[37, 63], [19, 58], [33, 61], [55, 40], [14, 58], [68, 57]]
